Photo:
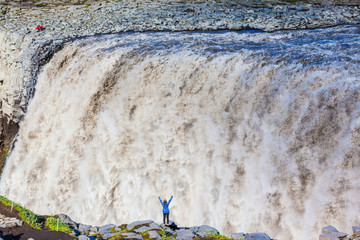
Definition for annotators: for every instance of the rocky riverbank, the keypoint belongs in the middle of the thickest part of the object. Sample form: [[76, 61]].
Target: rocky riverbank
[[121, 16], [148, 229]]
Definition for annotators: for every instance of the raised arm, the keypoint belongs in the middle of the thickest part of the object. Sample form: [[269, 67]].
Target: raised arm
[[170, 199], [161, 201]]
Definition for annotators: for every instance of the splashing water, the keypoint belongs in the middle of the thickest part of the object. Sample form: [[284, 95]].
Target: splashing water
[[249, 131]]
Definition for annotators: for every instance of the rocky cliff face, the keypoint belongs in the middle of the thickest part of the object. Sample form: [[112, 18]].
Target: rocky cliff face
[[20, 61], [14, 72]]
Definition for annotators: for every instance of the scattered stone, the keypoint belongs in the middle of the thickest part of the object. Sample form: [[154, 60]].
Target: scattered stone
[[330, 230], [95, 229], [154, 235], [127, 234], [185, 234], [348, 14], [238, 236], [66, 219], [134, 237], [257, 236], [154, 226], [83, 237], [109, 235], [205, 230], [138, 224], [106, 228], [84, 228]]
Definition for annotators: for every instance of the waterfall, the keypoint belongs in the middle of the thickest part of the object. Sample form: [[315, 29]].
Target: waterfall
[[249, 131]]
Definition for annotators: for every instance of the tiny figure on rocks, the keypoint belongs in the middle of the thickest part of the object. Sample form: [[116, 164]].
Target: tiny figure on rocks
[[39, 28], [166, 210]]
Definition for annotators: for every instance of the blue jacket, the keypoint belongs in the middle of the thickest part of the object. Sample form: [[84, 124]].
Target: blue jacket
[[165, 205]]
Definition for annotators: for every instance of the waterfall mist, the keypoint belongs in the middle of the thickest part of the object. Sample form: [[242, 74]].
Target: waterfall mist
[[249, 131]]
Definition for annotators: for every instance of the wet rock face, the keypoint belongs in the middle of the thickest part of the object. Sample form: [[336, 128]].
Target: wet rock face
[[11, 75], [21, 59]]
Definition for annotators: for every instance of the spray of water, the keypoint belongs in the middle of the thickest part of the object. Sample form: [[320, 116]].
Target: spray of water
[[249, 132]]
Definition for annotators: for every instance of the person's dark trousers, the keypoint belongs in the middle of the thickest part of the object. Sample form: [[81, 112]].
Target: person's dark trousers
[[166, 215]]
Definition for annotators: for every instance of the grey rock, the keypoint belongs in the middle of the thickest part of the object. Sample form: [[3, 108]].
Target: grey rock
[[185, 234], [106, 228], [84, 228], [109, 235], [128, 234], [326, 236], [154, 234], [137, 236], [138, 223], [205, 230], [83, 237], [117, 229], [333, 231], [154, 226], [328, 229], [303, 8], [238, 236], [356, 229], [257, 236], [66, 219], [194, 228], [348, 14], [142, 229]]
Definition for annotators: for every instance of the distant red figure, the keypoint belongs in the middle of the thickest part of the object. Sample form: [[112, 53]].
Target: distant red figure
[[39, 28]]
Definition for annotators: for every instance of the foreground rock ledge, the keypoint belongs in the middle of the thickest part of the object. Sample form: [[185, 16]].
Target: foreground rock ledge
[[148, 229]]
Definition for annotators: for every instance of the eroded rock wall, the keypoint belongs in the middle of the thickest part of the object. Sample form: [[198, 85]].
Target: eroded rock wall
[[13, 72], [21, 58]]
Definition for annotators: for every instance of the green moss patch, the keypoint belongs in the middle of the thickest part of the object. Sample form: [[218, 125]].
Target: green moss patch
[[53, 224], [26, 215]]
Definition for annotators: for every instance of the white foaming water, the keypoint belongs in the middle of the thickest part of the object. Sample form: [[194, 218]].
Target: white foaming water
[[249, 131]]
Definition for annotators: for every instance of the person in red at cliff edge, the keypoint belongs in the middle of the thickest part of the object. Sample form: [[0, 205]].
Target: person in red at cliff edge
[[39, 28], [166, 210]]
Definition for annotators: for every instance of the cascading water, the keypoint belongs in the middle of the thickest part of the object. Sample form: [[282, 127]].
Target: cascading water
[[249, 131]]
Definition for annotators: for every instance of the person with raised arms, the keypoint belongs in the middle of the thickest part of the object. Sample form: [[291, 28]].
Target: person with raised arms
[[166, 210]]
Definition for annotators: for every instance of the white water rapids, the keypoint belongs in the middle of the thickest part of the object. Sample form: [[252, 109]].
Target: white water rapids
[[249, 131]]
